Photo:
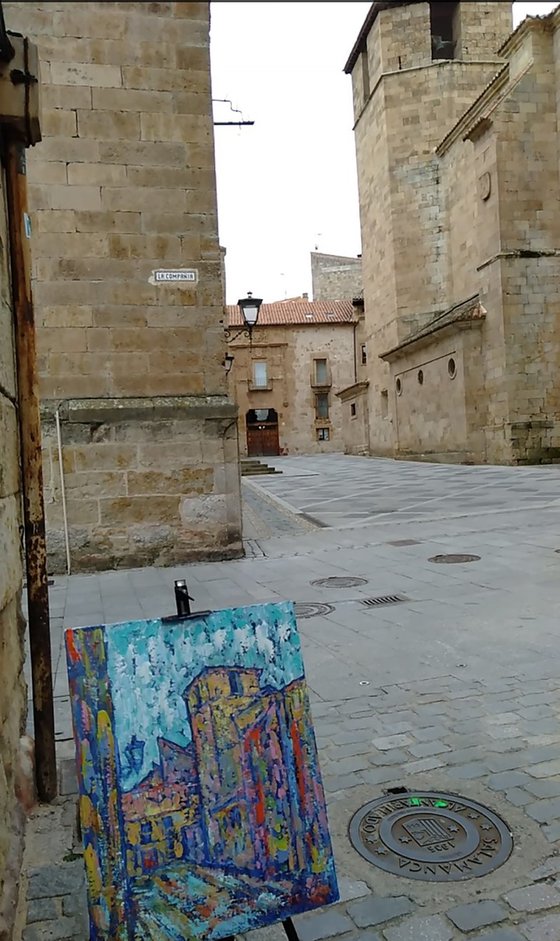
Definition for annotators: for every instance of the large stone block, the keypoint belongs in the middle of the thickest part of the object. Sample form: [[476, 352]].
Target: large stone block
[[88, 74], [68, 197], [95, 173], [109, 125], [156, 508], [190, 128], [180, 481], [129, 99]]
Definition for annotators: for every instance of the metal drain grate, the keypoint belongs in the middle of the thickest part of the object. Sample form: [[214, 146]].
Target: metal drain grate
[[454, 558], [383, 599]]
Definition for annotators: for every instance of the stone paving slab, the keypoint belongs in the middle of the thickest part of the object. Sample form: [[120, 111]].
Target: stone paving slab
[[458, 688]]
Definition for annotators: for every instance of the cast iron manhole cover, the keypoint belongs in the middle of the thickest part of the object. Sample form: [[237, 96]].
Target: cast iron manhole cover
[[431, 836], [451, 559], [339, 581], [311, 610]]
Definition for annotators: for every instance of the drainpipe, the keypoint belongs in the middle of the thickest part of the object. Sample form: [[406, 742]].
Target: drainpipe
[[32, 468], [63, 491]]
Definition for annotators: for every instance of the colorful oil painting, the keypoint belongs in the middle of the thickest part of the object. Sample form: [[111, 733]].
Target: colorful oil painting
[[201, 803]]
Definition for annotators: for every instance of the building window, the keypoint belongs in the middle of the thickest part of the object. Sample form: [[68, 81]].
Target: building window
[[364, 354], [452, 368], [322, 405], [420, 377], [323, 434], [321, 372], [352, 410], [260, 375], [444, 29], [398, 385]]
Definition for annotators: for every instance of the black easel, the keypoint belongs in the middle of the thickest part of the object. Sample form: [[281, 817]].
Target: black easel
[[184, 613], [288, 926]]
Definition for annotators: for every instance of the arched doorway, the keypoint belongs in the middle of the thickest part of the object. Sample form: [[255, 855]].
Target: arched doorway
[[262, 432]]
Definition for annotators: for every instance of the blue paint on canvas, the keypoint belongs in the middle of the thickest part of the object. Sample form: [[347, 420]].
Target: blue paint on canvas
[[200, 792]]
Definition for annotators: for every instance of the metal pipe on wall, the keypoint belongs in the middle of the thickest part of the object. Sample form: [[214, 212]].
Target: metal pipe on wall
[[32, 469], [63, 491]]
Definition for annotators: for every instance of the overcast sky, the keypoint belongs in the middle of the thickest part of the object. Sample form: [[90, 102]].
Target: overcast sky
[[287, 184]]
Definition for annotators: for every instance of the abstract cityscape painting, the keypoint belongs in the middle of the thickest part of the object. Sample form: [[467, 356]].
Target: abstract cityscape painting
[[201, 802]]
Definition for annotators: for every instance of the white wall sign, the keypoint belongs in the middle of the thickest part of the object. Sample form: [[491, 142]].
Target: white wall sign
[[174, 276]]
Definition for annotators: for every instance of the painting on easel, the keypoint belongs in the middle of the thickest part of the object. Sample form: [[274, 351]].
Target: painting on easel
[[201, 803]]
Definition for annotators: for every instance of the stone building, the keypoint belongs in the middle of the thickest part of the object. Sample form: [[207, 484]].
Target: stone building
[[122, 192], [354, 397], [285, 378], [12, 685], [456, 126], [335, 277]]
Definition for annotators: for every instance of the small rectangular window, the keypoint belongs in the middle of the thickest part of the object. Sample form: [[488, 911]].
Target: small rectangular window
[[364, 354], [352, 409], [323, 434], [321, 372], [260, 377], [322, 405]]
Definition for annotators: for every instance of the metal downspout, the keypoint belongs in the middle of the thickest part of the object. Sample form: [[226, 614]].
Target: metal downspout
[[32, 469]]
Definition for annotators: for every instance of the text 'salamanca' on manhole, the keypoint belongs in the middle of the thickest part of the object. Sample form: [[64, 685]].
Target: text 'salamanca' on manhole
[[432, 836]]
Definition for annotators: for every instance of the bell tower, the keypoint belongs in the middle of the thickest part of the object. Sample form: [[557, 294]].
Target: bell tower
[[415, 67]]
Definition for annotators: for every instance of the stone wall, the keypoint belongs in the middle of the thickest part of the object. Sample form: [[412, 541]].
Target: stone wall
[[123, 184], [335, 277], [502, 192], [289, 352], [12, 684], [446, 369]]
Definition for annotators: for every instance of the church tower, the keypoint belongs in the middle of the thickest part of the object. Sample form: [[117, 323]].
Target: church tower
[[415, 67]]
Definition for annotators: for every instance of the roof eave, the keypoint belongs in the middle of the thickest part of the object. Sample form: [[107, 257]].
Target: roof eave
[[355, 389], [426, 339]]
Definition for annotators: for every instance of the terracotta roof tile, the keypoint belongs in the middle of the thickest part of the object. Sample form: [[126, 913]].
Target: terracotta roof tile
[[296, 312]]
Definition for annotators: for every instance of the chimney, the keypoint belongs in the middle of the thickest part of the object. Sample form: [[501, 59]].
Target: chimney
[[305, 296]]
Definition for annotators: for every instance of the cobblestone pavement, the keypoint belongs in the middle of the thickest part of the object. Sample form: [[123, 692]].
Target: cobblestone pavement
[[455, 688]]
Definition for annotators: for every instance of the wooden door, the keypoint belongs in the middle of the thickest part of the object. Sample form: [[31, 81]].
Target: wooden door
[[263, 439]]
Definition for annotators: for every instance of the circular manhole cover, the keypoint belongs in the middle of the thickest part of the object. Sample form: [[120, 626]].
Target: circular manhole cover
[[431, 836], [312, 609], [339, 581], [453, 559]]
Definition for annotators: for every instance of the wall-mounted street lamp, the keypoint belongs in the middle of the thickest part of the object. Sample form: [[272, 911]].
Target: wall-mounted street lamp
[[228, 363], [250, 307]]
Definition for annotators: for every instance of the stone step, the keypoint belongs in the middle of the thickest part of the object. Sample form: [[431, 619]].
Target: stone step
[[252, 468]]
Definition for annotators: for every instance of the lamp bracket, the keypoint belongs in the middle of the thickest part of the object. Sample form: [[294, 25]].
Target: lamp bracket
[[244, 331]]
